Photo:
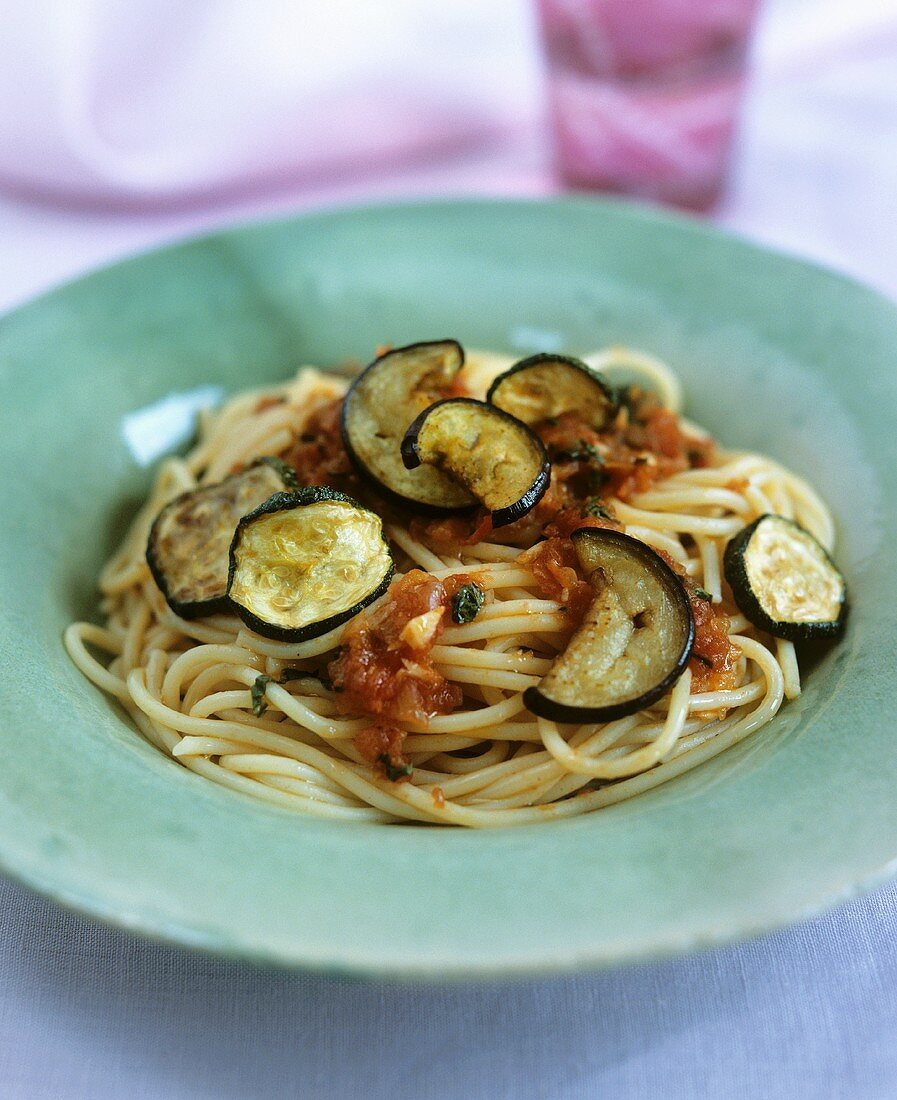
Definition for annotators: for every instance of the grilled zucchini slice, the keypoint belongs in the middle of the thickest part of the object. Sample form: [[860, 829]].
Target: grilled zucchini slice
[[546, 386], [635, 639], [379, 406], [187, 549], [496, 457], [784, 582], [304, 562]]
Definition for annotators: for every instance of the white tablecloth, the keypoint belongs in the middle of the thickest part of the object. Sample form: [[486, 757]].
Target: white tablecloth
[[87, 1011]]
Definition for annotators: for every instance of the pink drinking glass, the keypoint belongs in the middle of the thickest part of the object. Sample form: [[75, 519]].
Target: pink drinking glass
[[645, 94]]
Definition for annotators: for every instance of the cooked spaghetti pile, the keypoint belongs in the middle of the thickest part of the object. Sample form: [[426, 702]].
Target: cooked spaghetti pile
[[413, 709]]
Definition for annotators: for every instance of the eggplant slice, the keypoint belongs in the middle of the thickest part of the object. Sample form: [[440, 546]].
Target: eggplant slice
[[304, 562], [545, 386], [784, 582], [187, 549], [635, 639], [379, 406], [494, 456]]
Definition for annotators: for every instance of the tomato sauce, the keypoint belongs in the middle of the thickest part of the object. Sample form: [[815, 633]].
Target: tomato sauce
[[555, 566], [713, 656], [629, 456], [382, 746], [318, 456], [384, 666], [446, 534]]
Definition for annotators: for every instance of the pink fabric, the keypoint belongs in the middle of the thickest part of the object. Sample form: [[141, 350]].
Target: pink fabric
[[161, 99]]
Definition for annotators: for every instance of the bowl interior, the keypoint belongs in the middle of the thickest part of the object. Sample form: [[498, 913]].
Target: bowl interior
[[774, 355]]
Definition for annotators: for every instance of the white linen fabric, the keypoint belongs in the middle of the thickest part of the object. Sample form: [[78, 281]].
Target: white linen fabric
[[91, 1012], [88, 1011]]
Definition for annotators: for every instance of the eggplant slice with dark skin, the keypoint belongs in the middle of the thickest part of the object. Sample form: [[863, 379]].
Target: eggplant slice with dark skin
[[546, 386], [496, 457], [304, 562], [381, 403], [634, 641], [187, 549], [784, 581]]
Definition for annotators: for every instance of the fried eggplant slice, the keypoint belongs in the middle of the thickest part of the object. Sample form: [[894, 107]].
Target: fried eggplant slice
[[187, 549], [784, 581], [545, 386], [635, 639], [496, 457], [379, 406], [304, 562]]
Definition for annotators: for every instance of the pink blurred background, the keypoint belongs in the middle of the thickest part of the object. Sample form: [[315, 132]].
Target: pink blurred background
[[124, 125]]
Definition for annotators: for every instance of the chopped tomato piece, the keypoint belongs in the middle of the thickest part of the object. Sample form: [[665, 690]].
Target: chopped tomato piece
[[318, 456], [382, 746], [713, 656], [384, 666], [555, 566]]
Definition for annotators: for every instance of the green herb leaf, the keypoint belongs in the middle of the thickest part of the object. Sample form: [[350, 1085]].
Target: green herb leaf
[[259, 703], [703, 594], [323, 680], [466, 603], [287, 473], [582, 452], [595, 508], [393, 771], [597, 479]]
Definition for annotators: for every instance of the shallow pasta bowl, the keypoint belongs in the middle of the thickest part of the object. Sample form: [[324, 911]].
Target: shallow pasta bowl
[[775, 355]]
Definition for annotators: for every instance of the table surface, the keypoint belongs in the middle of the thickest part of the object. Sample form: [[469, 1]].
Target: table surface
[[87, 1010]]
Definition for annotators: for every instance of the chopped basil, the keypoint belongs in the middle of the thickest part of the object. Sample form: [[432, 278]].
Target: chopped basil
[[288, 674], [393, 771], [286, 472], [703, 594], [597, 479], [301, 674], [466, 603], [582, 452], [595, 508], [259, 703]]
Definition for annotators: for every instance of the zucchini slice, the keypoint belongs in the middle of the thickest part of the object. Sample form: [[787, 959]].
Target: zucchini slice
[[784, 582], [304, 562], [496, 457], [187, 549], [379, 406], [545, 386], [634, 641]]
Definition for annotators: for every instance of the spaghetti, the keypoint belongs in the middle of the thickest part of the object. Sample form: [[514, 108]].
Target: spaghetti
[[265, 718]]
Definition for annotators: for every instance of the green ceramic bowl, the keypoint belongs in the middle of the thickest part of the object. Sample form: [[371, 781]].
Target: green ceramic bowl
[[775, 355]]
